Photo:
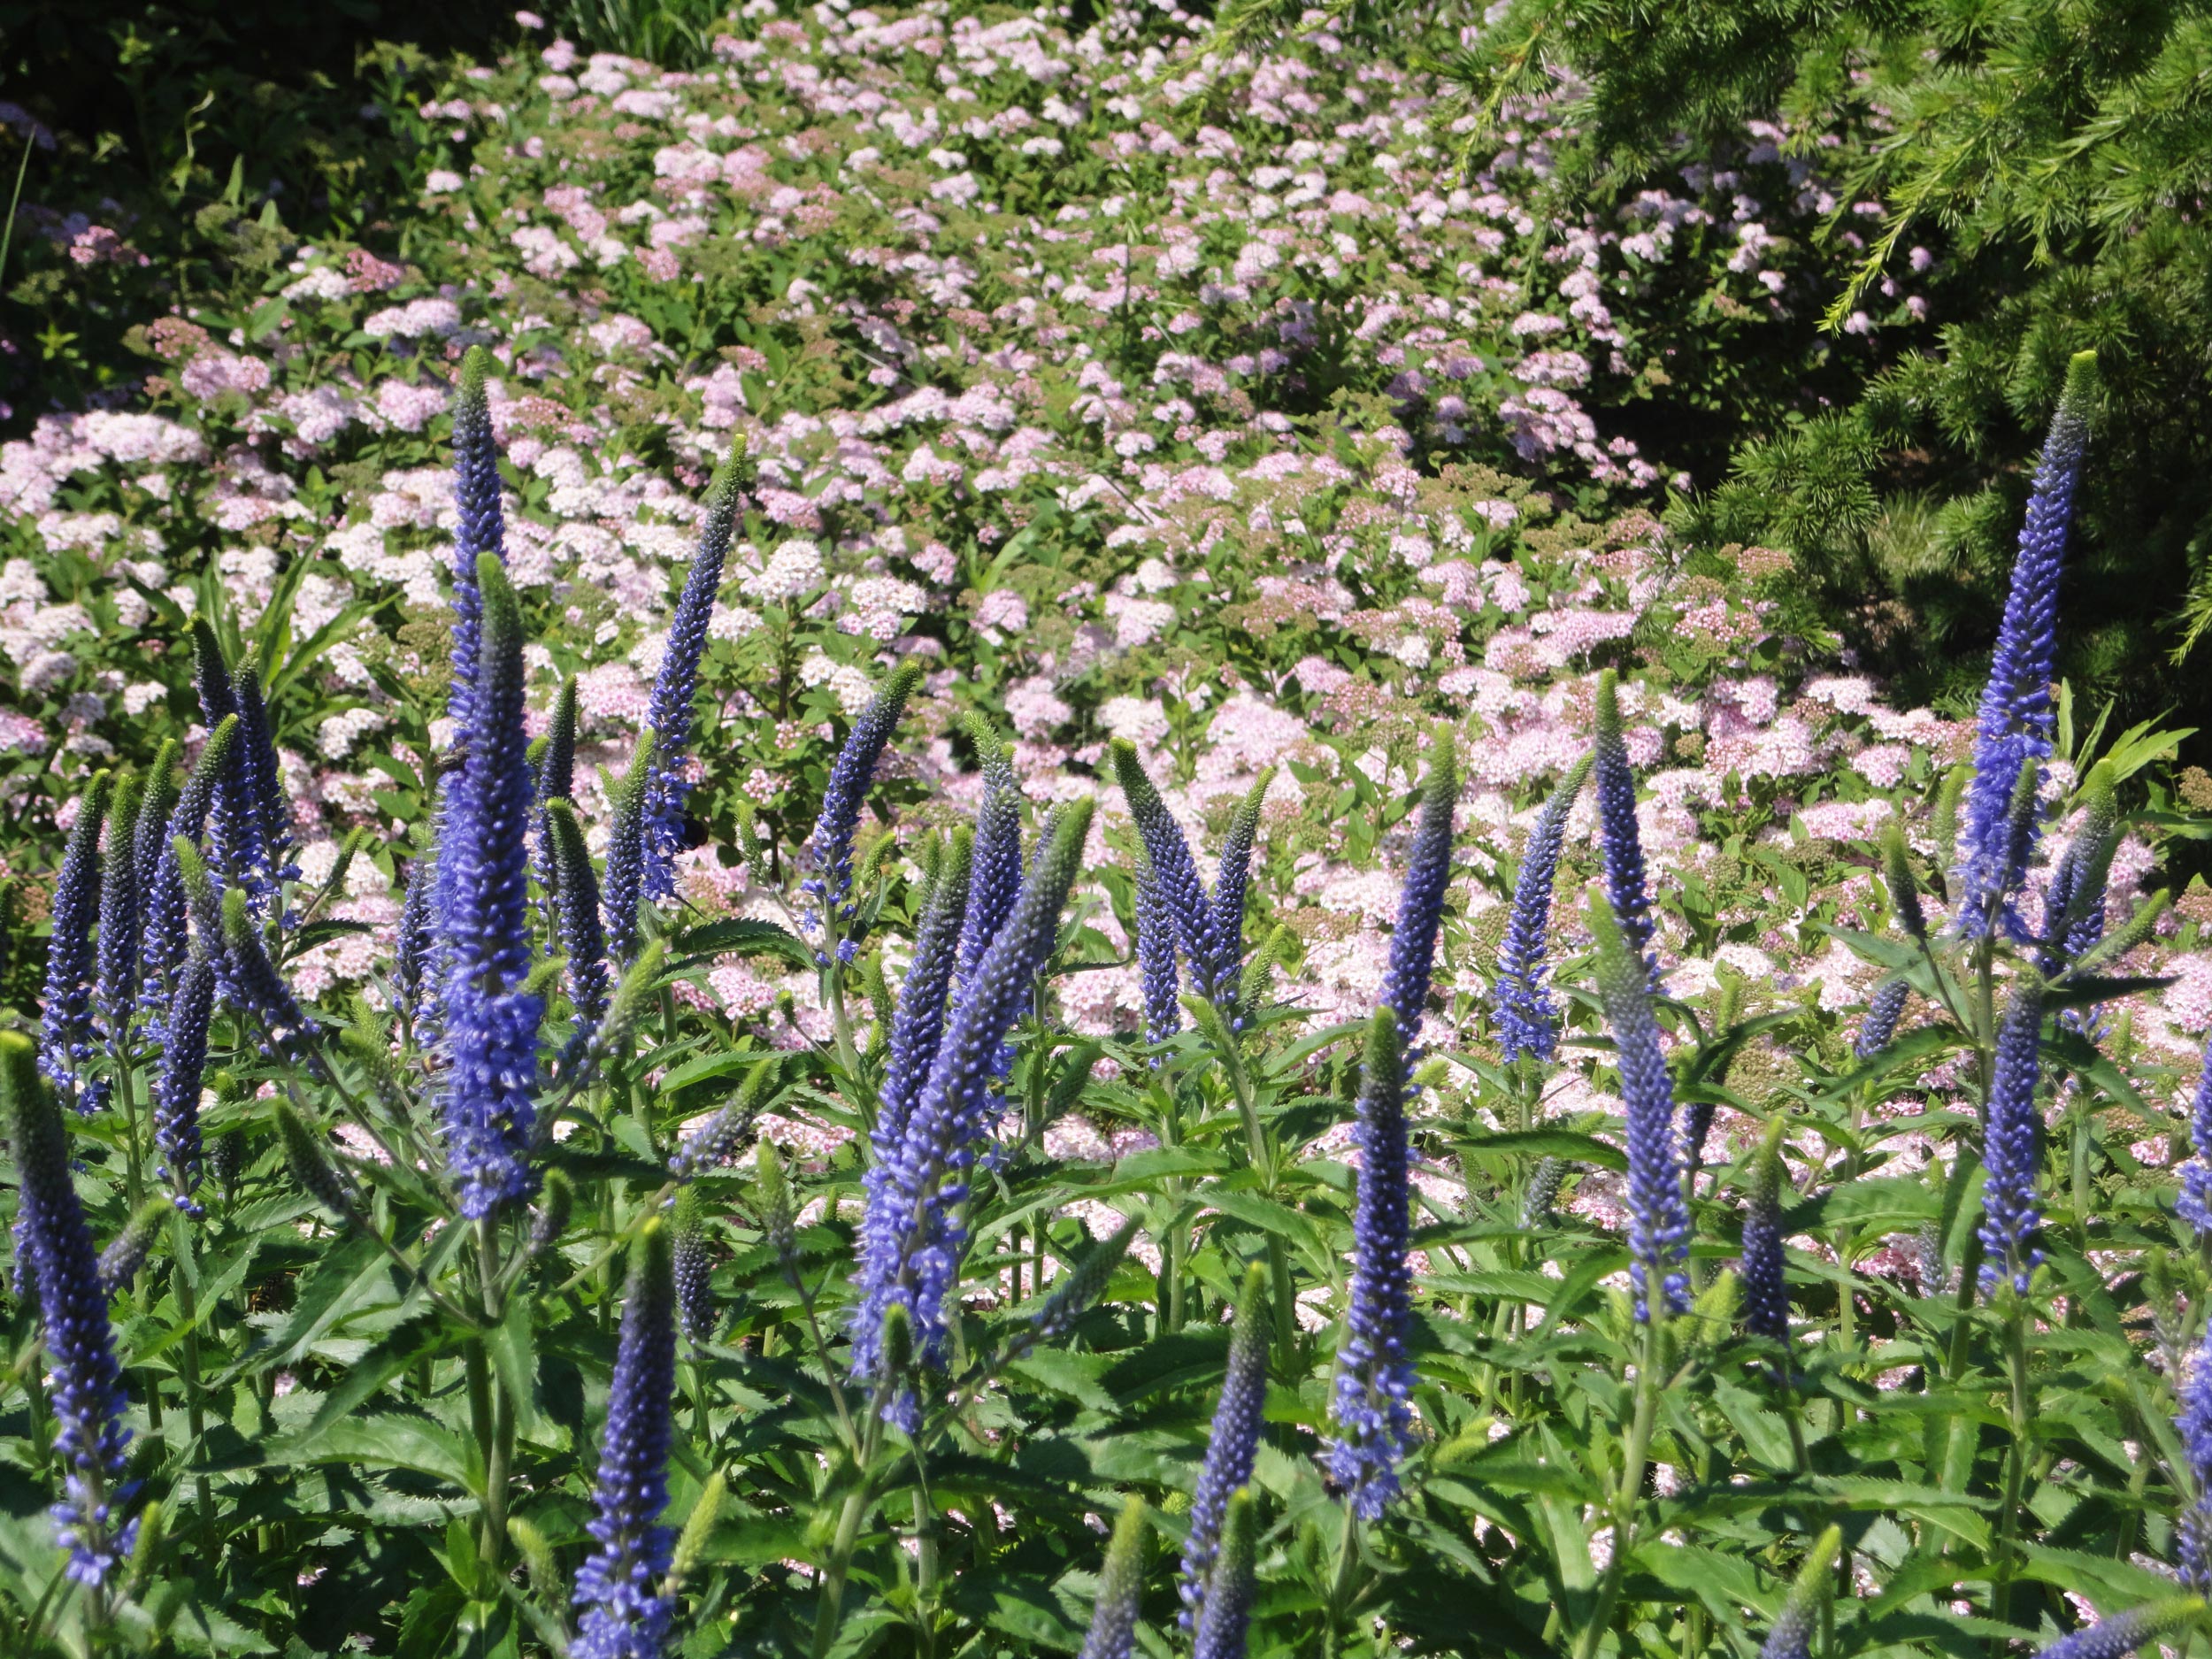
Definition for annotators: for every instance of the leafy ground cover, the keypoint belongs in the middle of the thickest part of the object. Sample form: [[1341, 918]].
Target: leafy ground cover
[[1138, 452]]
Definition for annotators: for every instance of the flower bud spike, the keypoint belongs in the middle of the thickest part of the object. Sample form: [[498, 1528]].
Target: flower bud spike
[[1227, 1620], [163, 905], [127, 1251], [1904, 892], [1084, 1284], [65, 1028], [623, 1608], [1113, 1633], [1528, 1020], [1766, 1298], [712, 1141], [845, 794], [918, 1024], [575, 890], [557, 1201], [86, 1394], [2013, 728], [1627, 887], [119, 939], [1231, 1443], [2125, 1632], [676, 687], [1372, 1416], [625, 850], [1659, 1220], [1792, 1633], [480, 527], [310, 1162]]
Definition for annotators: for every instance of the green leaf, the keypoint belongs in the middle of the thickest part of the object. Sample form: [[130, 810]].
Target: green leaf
[[1556, 1143], [738, 936]]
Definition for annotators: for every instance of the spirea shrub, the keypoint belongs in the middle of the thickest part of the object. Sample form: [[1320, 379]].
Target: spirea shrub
[[1318, 1050]]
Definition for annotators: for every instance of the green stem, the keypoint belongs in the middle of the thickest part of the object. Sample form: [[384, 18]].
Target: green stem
[[833, 1572], [1339, 1585], [183, 1274], [499, 1447], [1625, 1496], [2023, 1404]]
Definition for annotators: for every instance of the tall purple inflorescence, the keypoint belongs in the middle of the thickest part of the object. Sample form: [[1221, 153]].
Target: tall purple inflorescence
[[1227, 1622], [1372, 1416], [237, 839], [1528, 1021], [1157, 966], [1113, 1633], [87, 1392], [491, 1022], [1791, 1635], [912, 1246], [1405, 986], [64, 1039], [1880, 1023], [257, 762], [1234, 877], [622, 1611], [177, 1090], [994, 868], [575, 897], [1627, 888], [2123, 1634], [161, 903], [415, 952], [479, 526], [2196, 1203], [1176, 882], [1231, 1443], [2013, 730], [2012, 1136], [119, 942], [1658, 1218], [2193, 1529], [855, 770], [1766, 1297], [677, 685], [918, 1025]]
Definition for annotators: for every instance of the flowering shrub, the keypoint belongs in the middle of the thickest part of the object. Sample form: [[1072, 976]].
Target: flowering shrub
[[879, 894]]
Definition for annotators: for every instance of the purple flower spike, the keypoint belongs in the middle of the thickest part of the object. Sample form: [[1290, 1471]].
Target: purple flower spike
[[65, 1040], [1374, 1379], [86, 1394], [1405, 987], [677, 685], [918, 1026], [177, 1091], [1231, 1444], [1156, 963], [2012, 1147], [1528, 1021], [119, 942], [491, 1022], [1627, 888], [995, 869], [162, 905], [2013, 731], [914, 1233], [1766, 1297], [849, 778], [1658, 1218], [1176, 881], [2116, 1637], [480, 527], [622, 1612]]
